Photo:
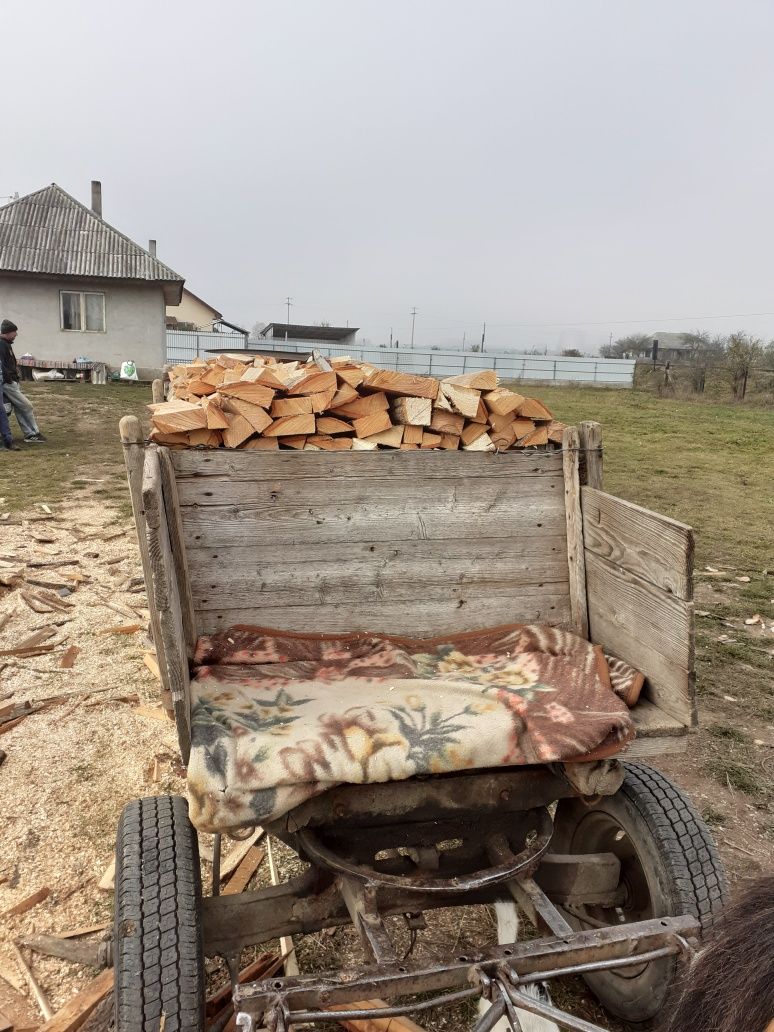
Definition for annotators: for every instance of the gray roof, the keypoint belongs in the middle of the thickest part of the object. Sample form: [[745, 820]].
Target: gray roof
[[49, 233], [297, 331], [672, 341]]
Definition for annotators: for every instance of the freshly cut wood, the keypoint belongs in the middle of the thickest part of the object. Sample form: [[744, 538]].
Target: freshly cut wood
[[482, 443], [409, 447], [296, 441], [502, 435], [531, 408], [392, 438], [344, 395], [177, 420], [354, 376], [120, 629], [68, 659], [442, 403], [77, 1010], [538, 436], [168, 440], [326, 443], [28, 902], [323, 401], [288, 426], [249, 865], [107, 881], [522, 427], [214, 376], [367, 426], [204, 438], [450, 442], [399, 1024], [556, 431], [447, 422], [261, 444], [290, 407], [502, 401], [472, 432], [315, 382], [151, 662], [252, 392], [430, 440], [358, 445], [262, 375], [413, 411], [257, 417], [367, 405], [412, 434], [405, 384], [216, 419], [331, 425], [481, 380], [200, 388], [462, 399]]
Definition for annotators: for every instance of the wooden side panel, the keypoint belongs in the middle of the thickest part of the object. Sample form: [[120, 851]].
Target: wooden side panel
[[656, 548], [398, 543], [647, 627], [166, 609], [175, 529], [576, 558]]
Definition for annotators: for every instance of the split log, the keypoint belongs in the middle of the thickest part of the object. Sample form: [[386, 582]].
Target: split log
[[447, 422], [503, 402], [255, 393], [257, 417], [406, 384], [367, 405], [392, 438], [462, 399], [367, 426], [412, 434], [481, 380], [413, 411], [289, 426], [531, 408]]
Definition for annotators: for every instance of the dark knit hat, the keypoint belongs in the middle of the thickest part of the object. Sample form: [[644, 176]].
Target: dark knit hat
[[6, 326]]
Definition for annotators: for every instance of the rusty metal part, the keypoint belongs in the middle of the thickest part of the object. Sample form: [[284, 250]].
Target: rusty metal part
[[360, 901], [547, 1010], [591, 878], [550, 957], [507, 867]]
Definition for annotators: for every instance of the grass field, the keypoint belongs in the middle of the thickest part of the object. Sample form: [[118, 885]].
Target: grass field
[[707, 464]]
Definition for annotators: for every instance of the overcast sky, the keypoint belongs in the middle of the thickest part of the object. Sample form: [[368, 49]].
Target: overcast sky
[[562, 170]]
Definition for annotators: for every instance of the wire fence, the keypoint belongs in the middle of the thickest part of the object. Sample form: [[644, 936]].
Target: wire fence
[[184, 346]]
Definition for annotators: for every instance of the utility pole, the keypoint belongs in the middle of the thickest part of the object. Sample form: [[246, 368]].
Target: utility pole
[[463, 340], [391, 338], [413, 319], [483, 338], [288, 302]]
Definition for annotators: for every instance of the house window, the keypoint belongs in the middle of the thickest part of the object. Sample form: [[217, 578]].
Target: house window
[[82, 310]]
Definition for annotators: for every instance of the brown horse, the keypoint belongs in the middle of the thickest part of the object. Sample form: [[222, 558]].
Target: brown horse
[[730, 985]]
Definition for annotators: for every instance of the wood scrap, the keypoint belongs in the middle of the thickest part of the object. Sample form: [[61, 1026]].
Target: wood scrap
[[151, 662], [29, 643], [154, 712], [107, 881], [40, 997], [413, 411], [230, 863], [397, 1024], [76, 933], [75, 1012], [248, 866], [120, 629], [28, 902], [68, 659]]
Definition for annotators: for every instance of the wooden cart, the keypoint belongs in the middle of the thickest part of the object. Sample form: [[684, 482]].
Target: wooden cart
[[623, 870]]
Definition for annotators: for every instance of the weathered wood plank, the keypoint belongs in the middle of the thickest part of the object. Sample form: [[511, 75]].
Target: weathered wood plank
[[657, 732], [654, 547], [162, 584], [574, 520], [380, 465], [485, 494], [297, 584], [241, 525], [175, 529], [421, 618], [648, 628], [591, 458]]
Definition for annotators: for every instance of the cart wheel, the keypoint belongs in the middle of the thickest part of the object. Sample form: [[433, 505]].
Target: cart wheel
[[158, 937], [669, 867]]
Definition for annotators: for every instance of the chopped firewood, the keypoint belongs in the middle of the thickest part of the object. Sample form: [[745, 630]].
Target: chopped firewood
[[249, 865], [501, 432], [331, 425], [353, 377], [430, 440], [556, 431], [344, 395], [521, 427], [171, 417], [290, 407], [358, 445], [447, 422], [289, 426], [35, 605], [442, 403], [200, 388], [107, 881], [255, 393], [257, 417], [367, 426], [533, 409], [502, 401], [482, 443], [367, 405], [323, 401], [537, 437], [409, 447], [261, 444], [238, 430], [295, 441], [315, 383], [481, 380], [392, 438], [328, 443], [214, 376], [216, 417], [412, 434], [27, 903], [120, 629], [75, 1012], [462, 399], [406, 384], [450, 442], [68, 659], [413, 411], [260, 374], [204, 438], [472, 432]]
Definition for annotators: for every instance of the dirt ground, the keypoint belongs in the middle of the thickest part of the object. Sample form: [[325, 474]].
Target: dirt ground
[[72, 766]]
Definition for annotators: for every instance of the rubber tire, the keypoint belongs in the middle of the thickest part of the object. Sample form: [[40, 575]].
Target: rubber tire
[[681, 872], [158, 957]]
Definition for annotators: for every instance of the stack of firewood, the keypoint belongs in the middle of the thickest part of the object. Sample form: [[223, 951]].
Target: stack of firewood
[[341, 405]]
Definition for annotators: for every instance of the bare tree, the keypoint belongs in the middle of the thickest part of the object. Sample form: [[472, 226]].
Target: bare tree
[[635, 344], [743, 353]]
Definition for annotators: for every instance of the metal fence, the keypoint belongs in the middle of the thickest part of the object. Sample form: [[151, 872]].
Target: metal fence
[[183, 346]]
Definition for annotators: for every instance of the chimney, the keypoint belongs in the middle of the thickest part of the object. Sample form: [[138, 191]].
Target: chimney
[[96, 197], [152, 247]]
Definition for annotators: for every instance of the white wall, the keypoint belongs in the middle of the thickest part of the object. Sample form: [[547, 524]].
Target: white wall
[[134, 322]]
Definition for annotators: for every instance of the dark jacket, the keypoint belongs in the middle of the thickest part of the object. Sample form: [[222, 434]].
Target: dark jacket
[[8, 362]]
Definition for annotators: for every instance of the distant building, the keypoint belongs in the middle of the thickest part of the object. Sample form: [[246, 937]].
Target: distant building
[[77, 287], [670, 347], [313, 336], [192, 313]]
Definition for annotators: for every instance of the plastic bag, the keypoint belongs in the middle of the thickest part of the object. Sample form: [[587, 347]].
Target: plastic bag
[[128, 371]]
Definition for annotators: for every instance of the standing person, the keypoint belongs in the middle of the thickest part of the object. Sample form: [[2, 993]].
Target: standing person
[[5, 428], [25, 414]]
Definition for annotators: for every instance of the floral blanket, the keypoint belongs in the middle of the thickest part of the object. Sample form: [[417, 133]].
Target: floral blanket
[[279, 717]]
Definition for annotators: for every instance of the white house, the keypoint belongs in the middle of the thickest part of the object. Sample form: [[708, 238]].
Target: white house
[[75, 286]]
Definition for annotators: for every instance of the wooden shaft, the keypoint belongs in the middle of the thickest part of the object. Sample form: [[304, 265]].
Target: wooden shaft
[[591, 442], [576, 559]]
